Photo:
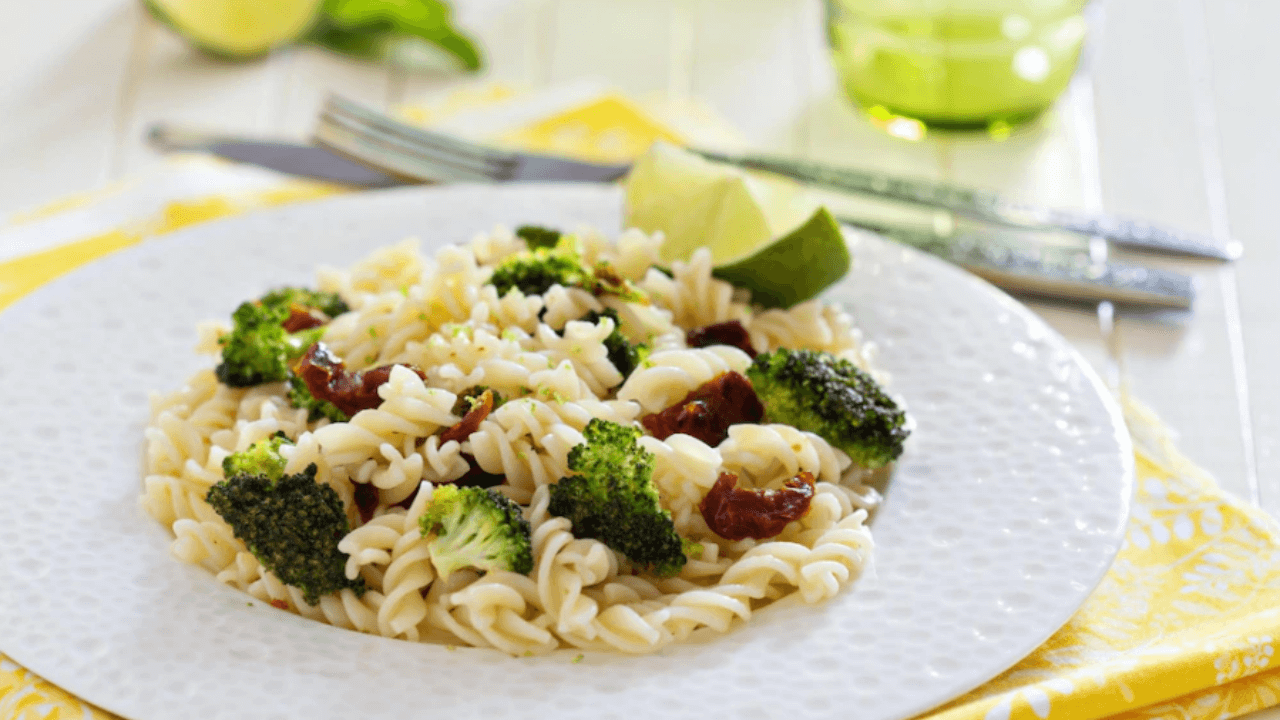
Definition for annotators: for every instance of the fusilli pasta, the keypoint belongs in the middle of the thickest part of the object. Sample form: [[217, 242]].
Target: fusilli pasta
[[447, 331]]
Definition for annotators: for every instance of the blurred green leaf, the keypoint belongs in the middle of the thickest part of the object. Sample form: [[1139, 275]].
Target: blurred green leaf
[[369, 28]]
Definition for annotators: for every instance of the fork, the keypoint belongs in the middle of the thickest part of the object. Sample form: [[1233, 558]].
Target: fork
[[411, 152], [370, 136]]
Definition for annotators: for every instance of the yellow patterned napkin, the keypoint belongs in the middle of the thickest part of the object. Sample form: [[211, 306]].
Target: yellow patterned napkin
[[1181, 627]]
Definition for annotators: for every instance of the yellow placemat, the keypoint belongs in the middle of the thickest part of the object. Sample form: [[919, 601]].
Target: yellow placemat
[[1183, 625]]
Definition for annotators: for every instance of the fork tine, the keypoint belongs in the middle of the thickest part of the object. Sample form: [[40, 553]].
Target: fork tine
[[404, 155], [429, 143], [348, 127], [387, 143], [392, 154], [421, 149]]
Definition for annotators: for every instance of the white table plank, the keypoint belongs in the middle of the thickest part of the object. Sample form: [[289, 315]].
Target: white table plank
[[749, 61], [37, 39], [1246, 112], [60, 97], [178, 84], [309, 74], [516, 35], [1152, 167], [627, 43]]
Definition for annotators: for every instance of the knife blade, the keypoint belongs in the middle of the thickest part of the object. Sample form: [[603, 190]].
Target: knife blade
[[286, 157], [1011, 260]]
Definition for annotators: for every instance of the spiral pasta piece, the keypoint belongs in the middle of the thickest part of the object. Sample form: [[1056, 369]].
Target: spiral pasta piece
[[693, 296], [392, 554], [780, 452], [565, 304], [668, 376], [582, 345]]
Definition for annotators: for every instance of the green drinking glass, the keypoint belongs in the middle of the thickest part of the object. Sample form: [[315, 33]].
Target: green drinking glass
[[956, 63]]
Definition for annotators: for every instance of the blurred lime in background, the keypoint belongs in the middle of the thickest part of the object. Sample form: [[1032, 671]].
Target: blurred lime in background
[[955, 63], [373, 29], [237, 28]]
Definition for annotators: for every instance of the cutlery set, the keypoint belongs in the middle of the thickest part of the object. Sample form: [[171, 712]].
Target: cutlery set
[[1021, 248]]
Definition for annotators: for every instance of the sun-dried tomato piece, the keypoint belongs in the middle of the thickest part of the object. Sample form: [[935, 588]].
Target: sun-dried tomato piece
[[729, 332], [736, 513], [471, 421], [328, 379], [302, 317], [707, 412], [366, 499]]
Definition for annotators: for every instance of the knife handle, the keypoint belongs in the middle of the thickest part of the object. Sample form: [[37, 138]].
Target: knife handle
[[172, 138], [1140, 235], [1052, 271]]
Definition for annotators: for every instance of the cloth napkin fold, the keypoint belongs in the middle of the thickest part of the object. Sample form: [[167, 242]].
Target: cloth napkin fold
[[1183, 625]]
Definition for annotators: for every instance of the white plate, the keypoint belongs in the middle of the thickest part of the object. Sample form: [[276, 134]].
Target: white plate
[[1004, 513]]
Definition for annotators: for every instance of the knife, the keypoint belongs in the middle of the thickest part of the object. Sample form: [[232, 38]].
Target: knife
[[1016, 261]]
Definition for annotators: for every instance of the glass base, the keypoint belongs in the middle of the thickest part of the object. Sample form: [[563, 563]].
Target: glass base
[[896, 120]]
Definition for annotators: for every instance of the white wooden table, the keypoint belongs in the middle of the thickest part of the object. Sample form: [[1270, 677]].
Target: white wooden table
[[1175, 121]]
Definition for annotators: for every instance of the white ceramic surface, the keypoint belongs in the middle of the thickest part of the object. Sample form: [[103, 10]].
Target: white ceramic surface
[[1003, 514]]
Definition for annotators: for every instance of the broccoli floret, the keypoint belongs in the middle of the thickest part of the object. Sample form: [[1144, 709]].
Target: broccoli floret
[[326, 302], [300, 396], [612, 498], [538, 237], [261, 458], [536, 271], [292, 525], [561, 263], [624, 356], [820, 393], [473, 527], [258, 349]]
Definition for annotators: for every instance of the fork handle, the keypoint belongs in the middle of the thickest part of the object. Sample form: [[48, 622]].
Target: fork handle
[[990, 207]]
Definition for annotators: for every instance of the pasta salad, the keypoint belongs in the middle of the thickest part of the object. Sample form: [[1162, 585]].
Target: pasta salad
[[528, 442]]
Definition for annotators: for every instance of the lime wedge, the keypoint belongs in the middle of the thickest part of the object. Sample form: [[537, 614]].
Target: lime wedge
[[765, 233], [795, 267], [237, 29]]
